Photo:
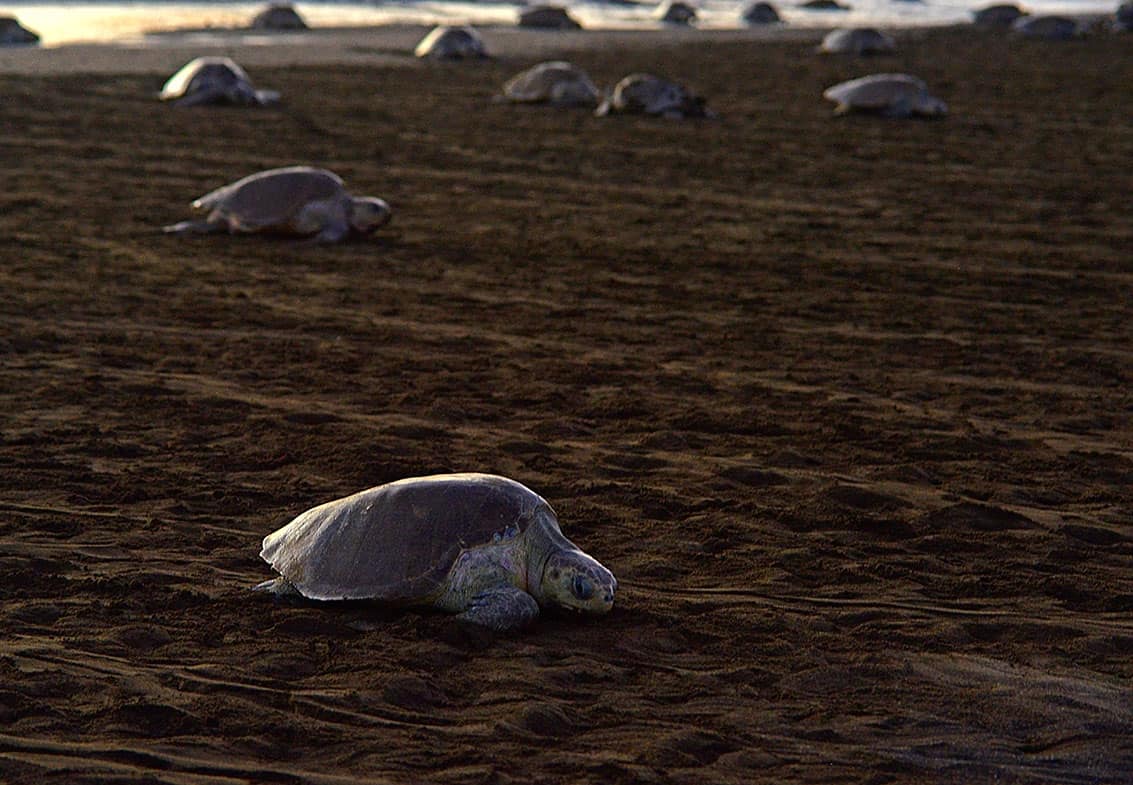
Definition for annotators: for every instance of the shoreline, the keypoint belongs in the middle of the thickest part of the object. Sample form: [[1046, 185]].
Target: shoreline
[[385, 45], [393, 44]]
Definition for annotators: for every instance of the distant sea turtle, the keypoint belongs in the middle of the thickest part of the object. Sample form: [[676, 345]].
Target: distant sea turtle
[[214, 80], [891, 95], [761, 13], [675, 12], [478, 545], [296, 201], [451, 43], [547, 17], [13, 33], [1048, 28], [554, 82], [857, 41], [824, 5], [1123, 18], [998, 15], [278, 16], [648, 94]]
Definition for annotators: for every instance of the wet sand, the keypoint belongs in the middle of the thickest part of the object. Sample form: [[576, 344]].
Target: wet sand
[[844, 403]]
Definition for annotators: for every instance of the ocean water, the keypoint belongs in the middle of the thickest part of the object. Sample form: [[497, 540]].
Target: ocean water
[[78, 21]]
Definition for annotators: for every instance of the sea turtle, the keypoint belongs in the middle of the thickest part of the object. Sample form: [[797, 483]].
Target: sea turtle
[[652, 95], [478, 545], [1123, 18], [296, 201], [824, 5], [553, 82], [13, 33], [998, 15], [451, 43], [214, 80], [548, 17], [278, 16], [675, 12], [1046, 27], [761, 13], [891, 95], [857, 41]]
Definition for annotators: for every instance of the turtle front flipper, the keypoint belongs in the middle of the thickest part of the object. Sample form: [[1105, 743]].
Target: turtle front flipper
[[501, 610], [279, 587]]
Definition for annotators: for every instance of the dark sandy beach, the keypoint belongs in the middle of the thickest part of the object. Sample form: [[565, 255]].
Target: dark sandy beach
[[845, 404]]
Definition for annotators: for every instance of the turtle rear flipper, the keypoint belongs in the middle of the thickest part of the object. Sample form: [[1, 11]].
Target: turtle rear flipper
[[196, 227], [501, 610]]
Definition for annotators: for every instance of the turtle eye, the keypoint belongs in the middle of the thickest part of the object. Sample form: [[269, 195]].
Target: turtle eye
[[581, 587]]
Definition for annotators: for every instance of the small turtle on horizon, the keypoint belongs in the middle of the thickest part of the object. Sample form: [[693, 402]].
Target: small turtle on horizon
[[761, 13], [1123, 18], [1046, 27], [12, 33], [675, 12], [452, 43], [1000, 15], [652, 95], [824, 5], [214, 80], [889, 95], [298, 201], [547, 17], [554, 82], [857, 41], [478, 545], [278, 16]]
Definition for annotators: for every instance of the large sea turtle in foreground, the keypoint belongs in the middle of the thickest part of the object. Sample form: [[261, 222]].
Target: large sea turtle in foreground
[[554, 82], [652, 95], [890, 95], [482, 546], [214, 80], [297, 200]]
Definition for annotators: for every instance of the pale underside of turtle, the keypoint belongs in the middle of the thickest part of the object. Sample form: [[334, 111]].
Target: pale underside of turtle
[[555, 82], [299, 201], [891, 95], [12, 33], [479, 545], [214, 80], [857, 41], [451, 43], [652, 95]]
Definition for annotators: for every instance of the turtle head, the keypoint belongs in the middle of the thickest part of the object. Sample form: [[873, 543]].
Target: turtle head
[[576, 582], [368, 213]]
